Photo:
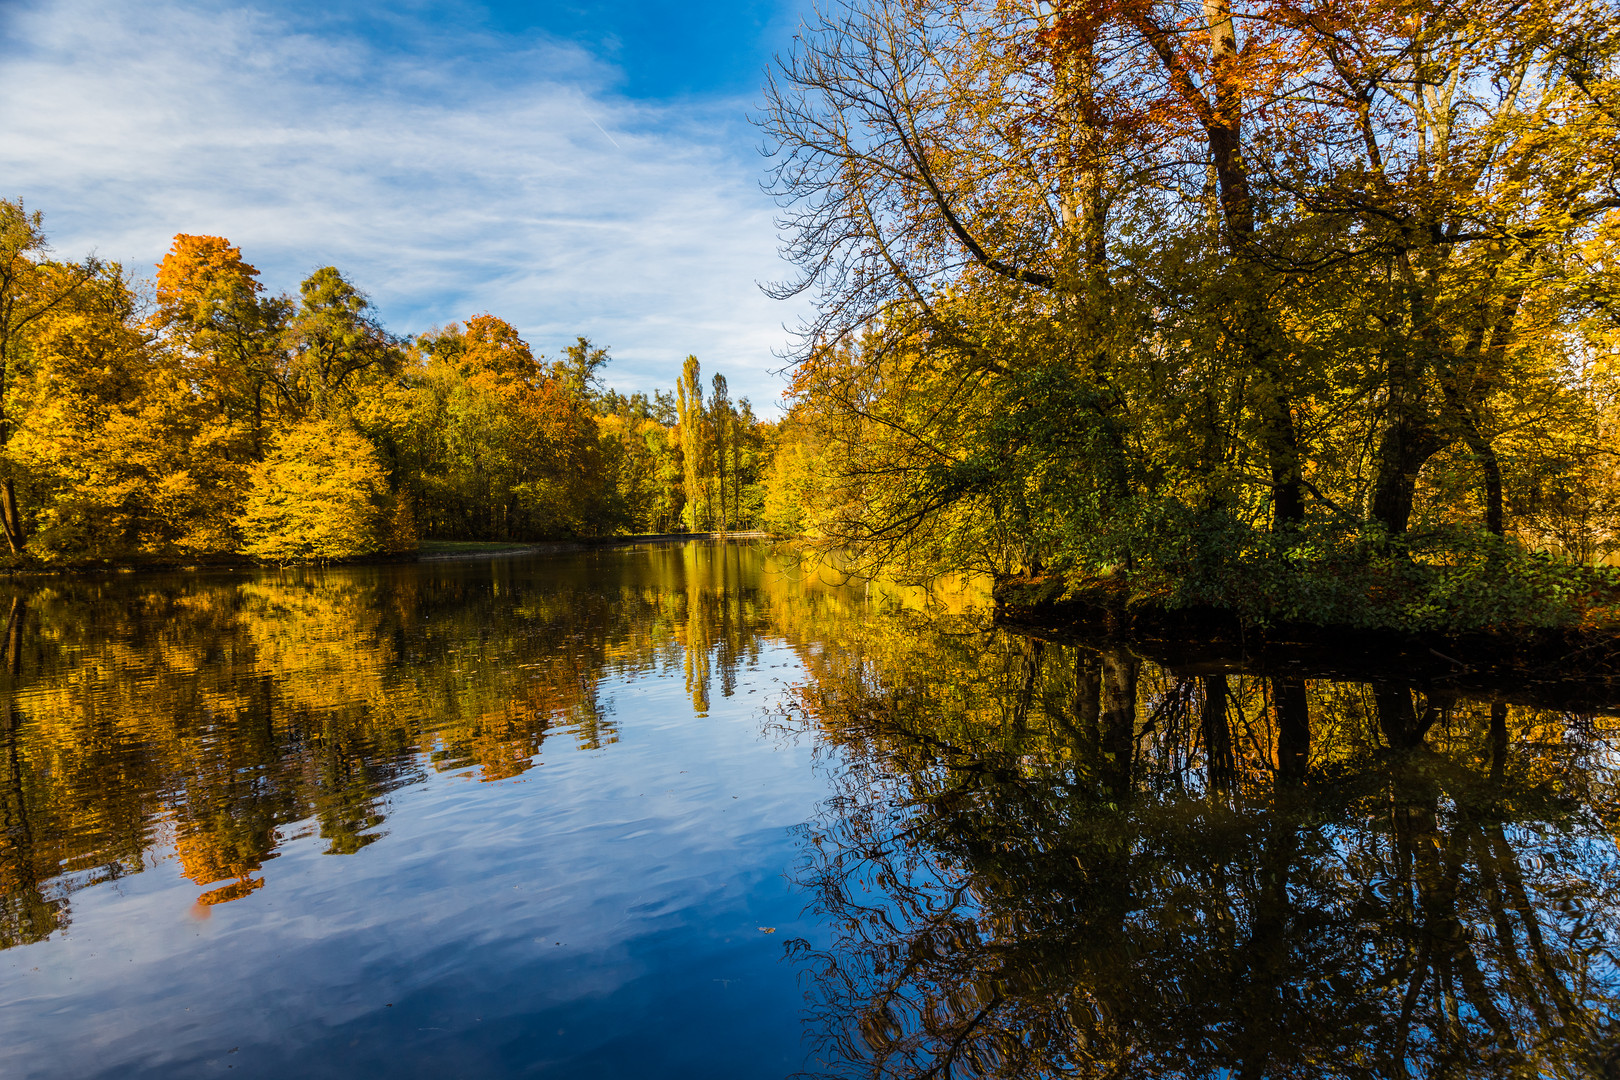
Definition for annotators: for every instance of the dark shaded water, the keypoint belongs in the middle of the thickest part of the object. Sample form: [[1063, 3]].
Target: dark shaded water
[[682, 811]]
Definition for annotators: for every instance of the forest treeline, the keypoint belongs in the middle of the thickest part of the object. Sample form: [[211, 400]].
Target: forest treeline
[[1306, 309], [201, 415]]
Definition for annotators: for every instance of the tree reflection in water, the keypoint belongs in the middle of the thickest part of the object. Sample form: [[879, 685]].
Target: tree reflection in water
[[217, 712], [1061, 861]]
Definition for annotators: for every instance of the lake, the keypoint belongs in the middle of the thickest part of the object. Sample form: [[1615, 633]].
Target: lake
[[692, 810]]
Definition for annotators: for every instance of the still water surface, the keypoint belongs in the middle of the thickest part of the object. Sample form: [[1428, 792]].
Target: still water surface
[[687, 811]]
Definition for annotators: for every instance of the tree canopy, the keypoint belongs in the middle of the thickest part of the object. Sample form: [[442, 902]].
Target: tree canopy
[[1172, 289]]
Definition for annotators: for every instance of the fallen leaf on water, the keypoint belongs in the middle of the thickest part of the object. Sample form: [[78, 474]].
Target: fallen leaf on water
[[767, 929]]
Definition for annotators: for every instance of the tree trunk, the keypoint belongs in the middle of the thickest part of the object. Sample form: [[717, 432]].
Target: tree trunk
[[1087, 697], [1033, 651], [1292, 711], [1217, 733], [1225, 131], [1499, 741], [1399, 720], [1254, 329], [1402, 453], [1282, 458], [14, 635], [1117, 719], [1491, 469], [9, 518]]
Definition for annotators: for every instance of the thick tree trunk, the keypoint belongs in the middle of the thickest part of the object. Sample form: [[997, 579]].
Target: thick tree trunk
[[1033, 651], [1399, 720], [1409, 438], [1282, 454], [1402, 453], [1254, 329], [1262, 986], [1395, 486], [1225, 128], [1087, 697]]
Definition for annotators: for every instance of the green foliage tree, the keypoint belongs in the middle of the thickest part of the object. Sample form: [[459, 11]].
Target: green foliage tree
[[697, 447], [334, 342], [579, 367]]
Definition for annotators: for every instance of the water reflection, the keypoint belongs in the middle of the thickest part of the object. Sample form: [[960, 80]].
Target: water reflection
[[1064, 861], [211, 712], [1026, 860]]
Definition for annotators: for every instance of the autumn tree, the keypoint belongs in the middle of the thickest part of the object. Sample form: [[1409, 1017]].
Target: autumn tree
[[134, 429], [579, 366], [319, 495], [1130, 282], [334, 341], [212, 307], [29, 292], [645, 462], [697, 453], [501, 446], [128, 457], [721, 421]]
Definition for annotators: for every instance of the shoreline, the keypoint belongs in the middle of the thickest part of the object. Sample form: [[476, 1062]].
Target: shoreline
[[232, 562], [557, 547], [1556, 667]]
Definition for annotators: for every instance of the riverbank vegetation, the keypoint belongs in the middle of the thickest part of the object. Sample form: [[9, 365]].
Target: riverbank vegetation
[[200, 416], [1303, 311]]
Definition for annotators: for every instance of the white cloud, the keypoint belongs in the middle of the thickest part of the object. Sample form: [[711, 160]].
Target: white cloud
[[447, 175]]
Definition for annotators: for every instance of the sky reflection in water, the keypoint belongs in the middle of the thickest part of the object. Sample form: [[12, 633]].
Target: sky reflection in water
[[534, 816]]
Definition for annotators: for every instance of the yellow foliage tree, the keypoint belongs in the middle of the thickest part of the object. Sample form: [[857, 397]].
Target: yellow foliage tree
[[111, 432], [320, 494]]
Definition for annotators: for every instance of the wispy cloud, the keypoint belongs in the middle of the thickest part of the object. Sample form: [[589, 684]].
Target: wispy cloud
[[447, 172]]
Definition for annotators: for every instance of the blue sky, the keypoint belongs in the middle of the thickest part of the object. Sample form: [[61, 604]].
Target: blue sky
[[573, 167], [664, 49]]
